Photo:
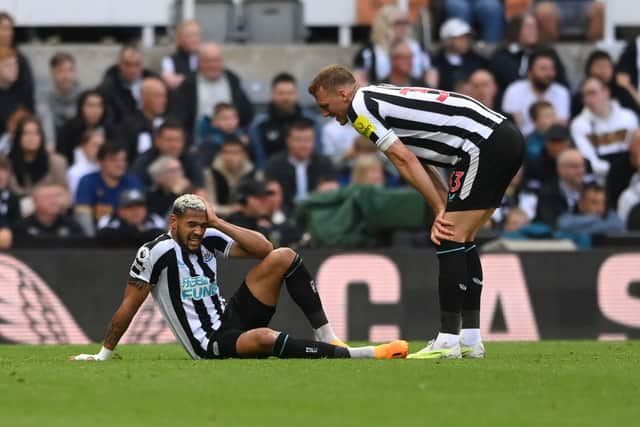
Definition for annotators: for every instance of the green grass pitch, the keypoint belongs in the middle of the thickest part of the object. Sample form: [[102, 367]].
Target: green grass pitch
[[518, 384]]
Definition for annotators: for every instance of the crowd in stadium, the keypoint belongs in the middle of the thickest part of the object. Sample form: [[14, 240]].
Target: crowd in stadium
[[107, 162]]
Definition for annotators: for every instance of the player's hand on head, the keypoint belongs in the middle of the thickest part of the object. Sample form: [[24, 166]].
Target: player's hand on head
[[212, 218], [442, 229]]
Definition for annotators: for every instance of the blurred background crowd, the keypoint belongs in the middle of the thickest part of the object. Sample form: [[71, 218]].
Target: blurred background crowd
[[103, 164]]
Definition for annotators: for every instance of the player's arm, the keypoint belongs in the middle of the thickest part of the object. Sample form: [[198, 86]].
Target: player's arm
[[134, 295], [247, 243], [415, 174]]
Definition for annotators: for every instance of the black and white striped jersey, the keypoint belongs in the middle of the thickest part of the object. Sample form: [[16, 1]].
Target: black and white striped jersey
[[440, 128], [185, 286]]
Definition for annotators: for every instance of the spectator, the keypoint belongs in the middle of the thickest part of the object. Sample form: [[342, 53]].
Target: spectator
[[510, 61], [86, 159], [489, 14], [516, 219], [538, 85], [99, 192], [561, 195], [31, 162], [23, 83], [539, 171], [184, 60], [368, 170], [552, 16], [225, 173], [591, 216], [372, 62], [49, 220], [14, 94], [299, 168], [457, 60], [132, 225], [122, 84], [168, 182], [599, 64], [169, 140], [91, 115], [543, 116], [630, 197], [268, 131], [6, 140], [602, 132], [212, 84], [483, 87], [58, 104], [628, 69], [139, 126], [257, 210], [401, 57], [9, 205], [213, 131]]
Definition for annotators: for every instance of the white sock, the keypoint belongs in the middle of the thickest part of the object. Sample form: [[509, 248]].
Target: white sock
[[361, 352], [447, 340], [325, 333], [470, 336]]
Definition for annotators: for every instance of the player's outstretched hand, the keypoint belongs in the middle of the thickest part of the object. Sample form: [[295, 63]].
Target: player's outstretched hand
[[442, 229], [103, 355]]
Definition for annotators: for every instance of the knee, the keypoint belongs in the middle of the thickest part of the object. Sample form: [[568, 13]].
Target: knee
[[265, 338], [281, 258]]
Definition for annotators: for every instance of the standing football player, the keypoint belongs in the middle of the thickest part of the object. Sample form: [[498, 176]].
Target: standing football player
[[418, 127]]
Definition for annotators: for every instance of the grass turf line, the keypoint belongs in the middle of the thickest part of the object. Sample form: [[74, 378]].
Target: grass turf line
[[576, 383]]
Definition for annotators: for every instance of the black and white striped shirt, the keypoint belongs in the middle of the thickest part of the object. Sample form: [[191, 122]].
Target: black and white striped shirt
[[185, 287], [440, 128]]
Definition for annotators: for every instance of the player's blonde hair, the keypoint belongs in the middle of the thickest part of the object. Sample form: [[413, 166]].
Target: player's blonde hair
[[188, 201], [330, 78]]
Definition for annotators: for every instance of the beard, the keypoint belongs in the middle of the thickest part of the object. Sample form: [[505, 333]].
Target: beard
[[541, 85]]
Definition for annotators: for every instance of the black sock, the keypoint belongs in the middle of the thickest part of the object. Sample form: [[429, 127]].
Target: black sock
[[302, 289], [287, 347], [451, 284], [471, 301]]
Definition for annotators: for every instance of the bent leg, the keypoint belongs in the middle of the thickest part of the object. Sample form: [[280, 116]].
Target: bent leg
[[265, 279]]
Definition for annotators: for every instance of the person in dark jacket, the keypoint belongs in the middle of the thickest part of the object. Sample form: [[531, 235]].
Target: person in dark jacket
[[200, 92], [49, 219], [184, 61], [138, 128], [14, 94], [24, 83], [268, 131], [122, 83], [169, 140], [132, 225], [299, 169], [90, 116], [457, 60]]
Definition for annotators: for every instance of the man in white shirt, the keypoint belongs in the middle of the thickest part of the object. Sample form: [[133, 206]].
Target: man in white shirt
[[538, 85]]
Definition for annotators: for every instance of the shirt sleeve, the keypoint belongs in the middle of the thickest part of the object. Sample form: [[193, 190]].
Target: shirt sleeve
[[142, 266], [368, 121], [218, 242]]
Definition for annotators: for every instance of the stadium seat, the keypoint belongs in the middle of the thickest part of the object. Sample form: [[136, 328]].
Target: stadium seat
[[273, 21], [218, 18]]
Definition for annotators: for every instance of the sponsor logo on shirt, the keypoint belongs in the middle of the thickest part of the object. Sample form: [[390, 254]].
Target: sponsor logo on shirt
[[197, 288]]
